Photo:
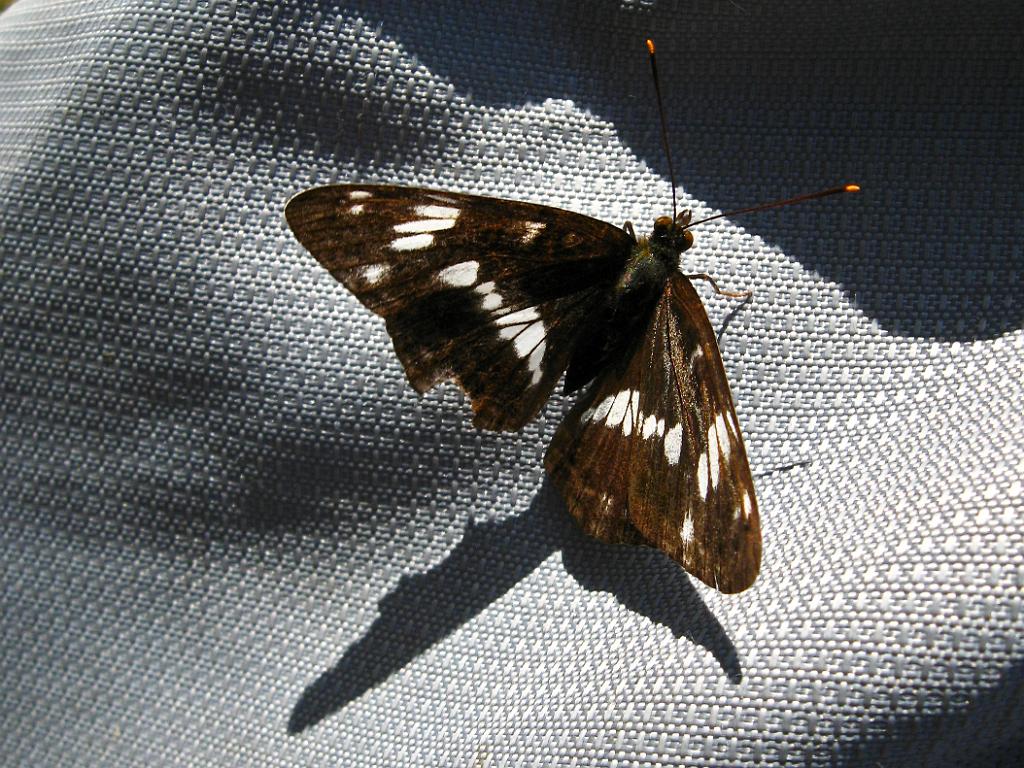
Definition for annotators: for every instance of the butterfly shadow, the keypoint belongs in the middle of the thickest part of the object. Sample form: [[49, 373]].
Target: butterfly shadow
[[491, 558]]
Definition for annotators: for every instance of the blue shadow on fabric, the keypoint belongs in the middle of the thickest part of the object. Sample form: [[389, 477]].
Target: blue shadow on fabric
[[489, 561]]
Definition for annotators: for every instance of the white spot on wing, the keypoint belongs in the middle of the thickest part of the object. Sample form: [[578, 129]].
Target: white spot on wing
[[619, 406], [532, 229], [522, 317], [461, 275], [359, 194], [686, 534], [713, 443], [437, 212], [412, 242], [747, 505], [491, 299], [528, 339], [601, 411], [632, 417], [442, 198], [702, 475], [425, 225], [724, 439], [536, 363], [356, 209], [652, 426], [674, 444], [372, 273]]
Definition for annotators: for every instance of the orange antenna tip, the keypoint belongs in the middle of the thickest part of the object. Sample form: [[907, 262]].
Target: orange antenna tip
[[780, 203], [650, 46]]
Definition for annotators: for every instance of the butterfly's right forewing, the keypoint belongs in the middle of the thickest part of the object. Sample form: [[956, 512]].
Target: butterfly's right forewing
[[491, 293], [654, 452]]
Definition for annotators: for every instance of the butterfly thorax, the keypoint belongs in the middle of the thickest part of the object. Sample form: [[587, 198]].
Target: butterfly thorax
[[654, 258], [629, 305]]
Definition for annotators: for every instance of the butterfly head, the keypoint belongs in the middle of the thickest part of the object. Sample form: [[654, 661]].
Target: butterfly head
[[670, 235]]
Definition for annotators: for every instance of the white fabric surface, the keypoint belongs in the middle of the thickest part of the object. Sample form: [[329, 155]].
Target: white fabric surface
[[233, 535]]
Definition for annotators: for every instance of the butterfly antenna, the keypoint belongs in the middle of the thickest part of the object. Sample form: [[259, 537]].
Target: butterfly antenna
[[664, 129], [780, 203]]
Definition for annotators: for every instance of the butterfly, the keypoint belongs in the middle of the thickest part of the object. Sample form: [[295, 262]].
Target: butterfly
[[503, 297]]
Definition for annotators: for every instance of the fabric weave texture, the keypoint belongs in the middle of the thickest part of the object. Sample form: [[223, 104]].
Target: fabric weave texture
[[232, 534]]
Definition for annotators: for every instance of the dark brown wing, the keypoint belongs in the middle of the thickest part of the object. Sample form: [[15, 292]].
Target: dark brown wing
[[491, 293], [654, 453]]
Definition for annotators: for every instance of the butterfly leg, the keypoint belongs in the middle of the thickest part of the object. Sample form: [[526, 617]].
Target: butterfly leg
[[628, 229], [719, 291]]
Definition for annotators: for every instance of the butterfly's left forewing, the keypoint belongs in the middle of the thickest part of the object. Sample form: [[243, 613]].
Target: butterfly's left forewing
[[654, 453], [491, 293]]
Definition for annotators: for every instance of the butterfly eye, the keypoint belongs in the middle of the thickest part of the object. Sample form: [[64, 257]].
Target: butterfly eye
[[662, 224], [684, 240]]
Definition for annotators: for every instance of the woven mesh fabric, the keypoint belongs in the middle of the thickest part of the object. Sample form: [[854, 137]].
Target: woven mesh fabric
[[233, 535]]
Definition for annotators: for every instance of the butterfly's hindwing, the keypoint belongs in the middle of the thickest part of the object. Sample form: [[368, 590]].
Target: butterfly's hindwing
[[654, 453], [491, 293]]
